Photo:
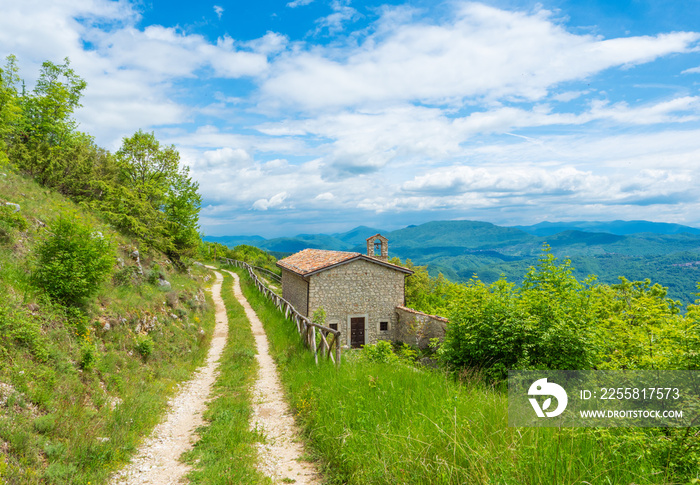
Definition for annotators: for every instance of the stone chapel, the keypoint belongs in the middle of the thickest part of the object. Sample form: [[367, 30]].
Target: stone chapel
[[360, 293]]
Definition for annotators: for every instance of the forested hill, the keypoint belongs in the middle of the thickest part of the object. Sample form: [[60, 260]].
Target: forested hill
[[668, 254]]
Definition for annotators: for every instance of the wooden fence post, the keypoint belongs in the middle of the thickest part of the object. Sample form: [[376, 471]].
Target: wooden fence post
[[306, 329]]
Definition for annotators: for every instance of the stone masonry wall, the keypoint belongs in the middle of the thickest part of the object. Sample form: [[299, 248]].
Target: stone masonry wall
[[295, 290], [358, 289], [416, 328]]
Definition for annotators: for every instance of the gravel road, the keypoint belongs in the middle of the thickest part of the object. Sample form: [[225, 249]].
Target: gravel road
[[280, 457], [157, 461]]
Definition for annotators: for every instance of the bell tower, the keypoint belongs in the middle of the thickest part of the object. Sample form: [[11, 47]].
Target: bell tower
[[378, 247]]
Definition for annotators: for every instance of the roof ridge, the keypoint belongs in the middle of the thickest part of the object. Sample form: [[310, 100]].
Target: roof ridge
[[311, 260]]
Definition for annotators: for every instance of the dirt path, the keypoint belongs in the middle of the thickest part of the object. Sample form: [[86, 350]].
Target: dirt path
[[281, 457], [156, 462]]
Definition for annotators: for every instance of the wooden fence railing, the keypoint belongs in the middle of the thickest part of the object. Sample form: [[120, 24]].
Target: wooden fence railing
[[329, 345], [269, 273]]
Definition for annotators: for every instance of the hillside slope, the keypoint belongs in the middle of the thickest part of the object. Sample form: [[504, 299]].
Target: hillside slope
[[82, 381]]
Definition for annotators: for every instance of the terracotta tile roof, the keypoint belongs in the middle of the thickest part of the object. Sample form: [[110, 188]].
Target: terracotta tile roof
[[312, 260]]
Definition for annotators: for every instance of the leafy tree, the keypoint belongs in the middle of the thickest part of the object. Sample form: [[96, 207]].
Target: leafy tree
[[10, 109], [140, 189], [50, 107], [154, 199], [641, 328], [133, 214], [254, 256], [181, 208], [147, 168], [78, 169], [423, 292]]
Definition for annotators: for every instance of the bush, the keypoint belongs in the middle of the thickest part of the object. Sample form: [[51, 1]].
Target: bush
[[16, 326], [544, 324], [10, 219], [72, 262], [89, 355], [155, 274], [125, 276], [144, 346], [382, 351]]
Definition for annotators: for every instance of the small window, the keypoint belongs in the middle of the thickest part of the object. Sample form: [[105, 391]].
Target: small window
[[334, 326], [383, 326]]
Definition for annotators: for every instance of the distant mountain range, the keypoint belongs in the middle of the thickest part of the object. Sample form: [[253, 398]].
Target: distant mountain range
[[621, 228], [665, 253]]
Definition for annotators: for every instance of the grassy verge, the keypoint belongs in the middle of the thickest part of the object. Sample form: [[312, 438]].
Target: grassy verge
[[225, 452], [392, 423]]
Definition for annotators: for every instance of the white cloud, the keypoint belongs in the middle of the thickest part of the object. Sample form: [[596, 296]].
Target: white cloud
[[228, 158], [335, 22], [568, 96], [219, 10], [513, 180], [480, 112], [480, 52], [366, 141], [299, 3], [273, 202], [270, 43], [131, 71]]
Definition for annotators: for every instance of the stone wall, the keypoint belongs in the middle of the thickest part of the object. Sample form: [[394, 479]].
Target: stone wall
[[358, 289], [295, 290], [416, 328]]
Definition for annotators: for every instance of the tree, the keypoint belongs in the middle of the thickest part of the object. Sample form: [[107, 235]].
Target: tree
[[146, 167], [181, 208], [544, 324], [641, 328], [10, 109], [162, 201], [422, 292], [50, 108]]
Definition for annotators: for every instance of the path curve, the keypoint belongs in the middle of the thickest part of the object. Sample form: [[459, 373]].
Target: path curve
[[281, 456], [157, 460]]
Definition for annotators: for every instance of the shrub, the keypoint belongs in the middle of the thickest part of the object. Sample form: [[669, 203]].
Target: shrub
[[17, 326], [125, 276], [72, 262], [10, 219], [319, 316], [155, 274], [544, 324], [382, 351], [144, 346], [88, 355]]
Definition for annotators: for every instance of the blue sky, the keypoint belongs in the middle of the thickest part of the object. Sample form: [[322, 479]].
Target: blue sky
[[318, 116]]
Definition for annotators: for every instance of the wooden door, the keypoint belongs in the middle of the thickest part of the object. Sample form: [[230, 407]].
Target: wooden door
[[357, 332]]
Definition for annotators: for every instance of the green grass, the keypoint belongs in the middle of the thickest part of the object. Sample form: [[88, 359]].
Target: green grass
[[225, 452], [75, 399], [391, 424]]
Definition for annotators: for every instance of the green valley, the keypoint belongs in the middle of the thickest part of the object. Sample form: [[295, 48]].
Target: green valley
[[668, 254]]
